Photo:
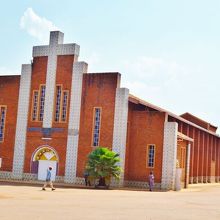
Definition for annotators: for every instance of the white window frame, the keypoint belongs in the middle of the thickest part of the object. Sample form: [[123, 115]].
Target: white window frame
[[151, 155]]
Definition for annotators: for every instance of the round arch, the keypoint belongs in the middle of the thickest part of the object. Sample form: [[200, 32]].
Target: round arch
[[45, 152]]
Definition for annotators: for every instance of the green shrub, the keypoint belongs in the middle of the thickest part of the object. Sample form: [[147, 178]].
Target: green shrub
[[102, 164]]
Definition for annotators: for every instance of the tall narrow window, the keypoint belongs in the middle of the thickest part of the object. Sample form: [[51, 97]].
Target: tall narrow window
[[64, 106], [42, 100], [2, 122], [96, 128], [35, 106], [150, 155], [58, 101]]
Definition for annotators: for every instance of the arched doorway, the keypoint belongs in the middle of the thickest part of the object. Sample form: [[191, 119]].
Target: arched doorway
[[42, 159]]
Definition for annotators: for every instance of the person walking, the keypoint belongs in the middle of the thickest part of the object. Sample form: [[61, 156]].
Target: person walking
[[48, 180], [151, 181], [86, 177]]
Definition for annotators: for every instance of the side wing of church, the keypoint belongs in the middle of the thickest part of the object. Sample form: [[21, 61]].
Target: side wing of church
[[55, 113]]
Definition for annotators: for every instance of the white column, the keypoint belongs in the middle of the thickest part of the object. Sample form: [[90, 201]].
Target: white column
[[74, 121], [169, 155], [22, 119], [55, 39], [120, 127]]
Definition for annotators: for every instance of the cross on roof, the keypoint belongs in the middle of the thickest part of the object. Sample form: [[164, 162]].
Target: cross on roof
[[56, 47]]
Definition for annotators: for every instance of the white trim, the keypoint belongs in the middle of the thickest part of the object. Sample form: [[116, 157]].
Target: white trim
[[120, 127], [22, 118], [169, 155], [140, 184], [74, 120], [40, 51]]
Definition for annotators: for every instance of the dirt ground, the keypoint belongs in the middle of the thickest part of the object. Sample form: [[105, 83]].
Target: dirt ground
[[28, 202]]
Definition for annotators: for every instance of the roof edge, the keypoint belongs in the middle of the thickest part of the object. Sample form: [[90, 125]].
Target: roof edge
[[140, 101], [199, 119]]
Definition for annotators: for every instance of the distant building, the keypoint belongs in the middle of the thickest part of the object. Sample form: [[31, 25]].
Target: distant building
[[56, 113]]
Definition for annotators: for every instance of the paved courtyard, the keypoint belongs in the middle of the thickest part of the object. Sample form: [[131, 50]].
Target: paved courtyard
[[28, 202]]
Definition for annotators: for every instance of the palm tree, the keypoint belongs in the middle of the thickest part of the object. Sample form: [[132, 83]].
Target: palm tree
[[102, 165]]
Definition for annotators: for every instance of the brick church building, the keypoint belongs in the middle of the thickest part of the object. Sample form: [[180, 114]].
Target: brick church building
[[55, 113]]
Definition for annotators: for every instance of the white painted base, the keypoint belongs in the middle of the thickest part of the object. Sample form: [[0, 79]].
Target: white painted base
[[140, 184], [178, 179]]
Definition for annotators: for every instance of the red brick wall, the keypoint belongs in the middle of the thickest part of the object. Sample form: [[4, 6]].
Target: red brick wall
[[9, 90], [98, 91], [195, 120], [204, 149], [144, 128], [127, 152], [38, 77], [64, 77], [212, 128], [58, 142]]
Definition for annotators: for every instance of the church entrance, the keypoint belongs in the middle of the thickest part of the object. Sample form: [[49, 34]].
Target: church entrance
[[43, 158], [181, 157], [43, 167]]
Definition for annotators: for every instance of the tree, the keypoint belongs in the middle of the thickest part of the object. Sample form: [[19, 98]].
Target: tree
[[102, 164]]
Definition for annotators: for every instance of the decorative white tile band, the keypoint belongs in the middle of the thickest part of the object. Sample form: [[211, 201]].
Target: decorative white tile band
[[59, 179], [63, 49], [74, 120], [202, 179], [5, 175], [22, 117], [140, 184], [169, 155], [120, 127], [79, 181], [55, 48], [30, 177]]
